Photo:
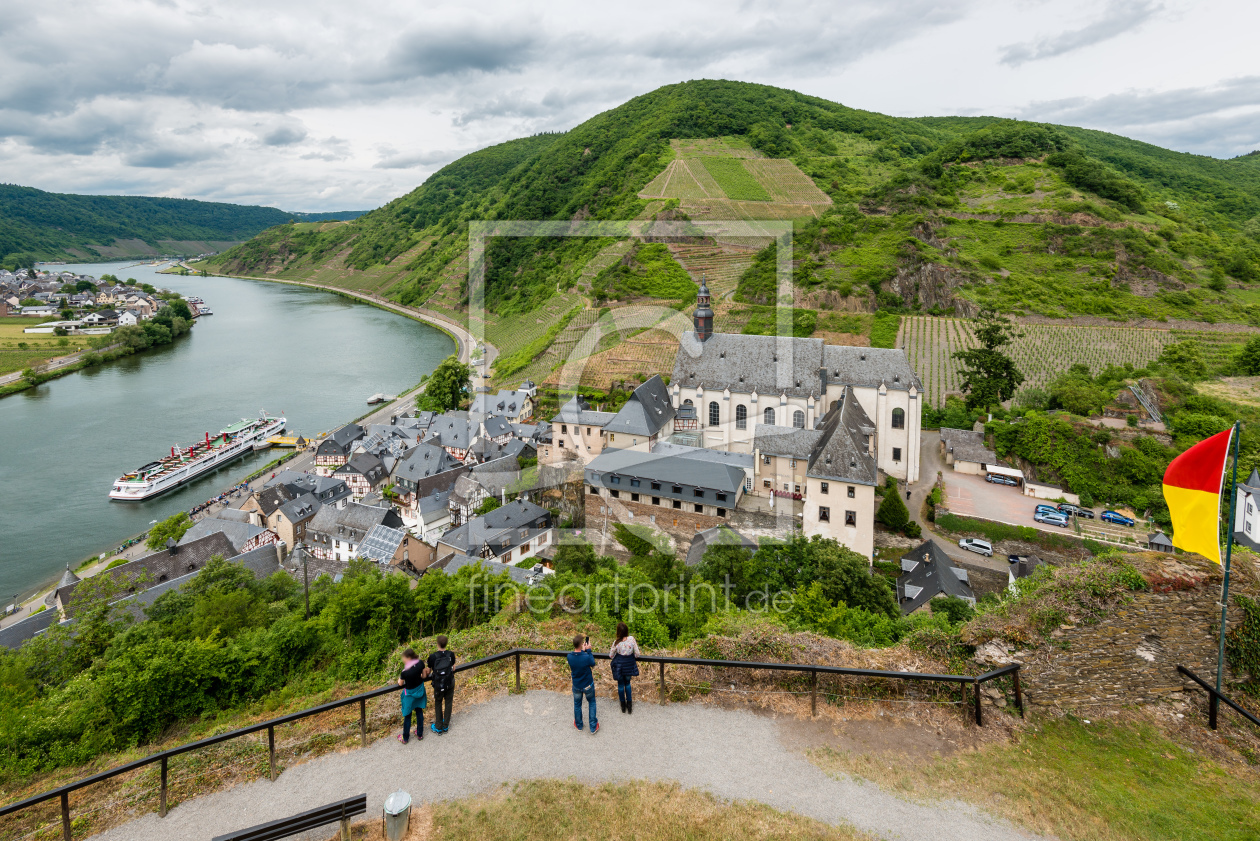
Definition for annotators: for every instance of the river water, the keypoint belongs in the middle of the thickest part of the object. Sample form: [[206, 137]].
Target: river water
[[311, 355]]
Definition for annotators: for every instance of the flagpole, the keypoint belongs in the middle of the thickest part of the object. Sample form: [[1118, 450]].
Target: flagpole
[[1229, 546]]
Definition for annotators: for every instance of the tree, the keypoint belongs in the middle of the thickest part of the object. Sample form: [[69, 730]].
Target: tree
[[446, 387], [989, 376], [487, 505], [892, 511], [172, 527], [1249, 358], [577, 557], [1186, 358]]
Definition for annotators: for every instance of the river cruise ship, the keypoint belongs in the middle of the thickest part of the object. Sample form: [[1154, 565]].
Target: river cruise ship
[[187, 463]]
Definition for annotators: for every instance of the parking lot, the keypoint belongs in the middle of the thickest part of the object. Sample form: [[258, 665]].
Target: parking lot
[[971, 496]]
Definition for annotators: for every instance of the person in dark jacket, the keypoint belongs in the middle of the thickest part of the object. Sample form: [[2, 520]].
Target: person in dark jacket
[[414, 696], [442, 665], [624, 665], [581, 662]]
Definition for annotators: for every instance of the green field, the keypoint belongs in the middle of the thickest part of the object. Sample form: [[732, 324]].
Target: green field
[[735, 179], [39, 347]]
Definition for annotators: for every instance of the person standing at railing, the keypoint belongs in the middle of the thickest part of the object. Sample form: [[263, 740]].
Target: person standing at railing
[[442, 665], [414, 696], [581, 662], [624, 665]]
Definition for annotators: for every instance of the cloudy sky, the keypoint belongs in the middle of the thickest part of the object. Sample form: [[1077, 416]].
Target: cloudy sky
[[315, 105]]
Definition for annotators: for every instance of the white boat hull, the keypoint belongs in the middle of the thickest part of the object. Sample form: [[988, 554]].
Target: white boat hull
[[134, 491]]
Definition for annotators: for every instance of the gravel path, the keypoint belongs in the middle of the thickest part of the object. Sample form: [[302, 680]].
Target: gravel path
[[732, 754]]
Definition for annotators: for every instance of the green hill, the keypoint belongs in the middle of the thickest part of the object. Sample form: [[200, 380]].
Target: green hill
[[36, 225], [928, 214]]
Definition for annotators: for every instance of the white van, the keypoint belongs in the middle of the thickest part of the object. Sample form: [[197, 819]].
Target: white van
[[975, 544]]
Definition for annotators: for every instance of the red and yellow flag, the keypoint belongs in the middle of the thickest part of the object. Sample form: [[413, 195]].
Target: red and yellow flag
[[1192, 488]]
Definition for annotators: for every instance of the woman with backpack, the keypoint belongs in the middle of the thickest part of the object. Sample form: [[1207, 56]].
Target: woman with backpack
[[442, 665], [625, 665], [414, 696]]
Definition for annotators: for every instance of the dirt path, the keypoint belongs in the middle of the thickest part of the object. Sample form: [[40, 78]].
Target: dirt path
[[735, 755]]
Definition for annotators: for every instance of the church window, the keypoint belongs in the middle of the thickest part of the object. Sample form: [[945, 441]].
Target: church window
[[798, 419], [714, 414], [741, 416], [769, 417], [898, 419]]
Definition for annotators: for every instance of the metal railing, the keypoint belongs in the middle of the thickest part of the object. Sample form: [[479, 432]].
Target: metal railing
[[162, 758], [1215, 698]]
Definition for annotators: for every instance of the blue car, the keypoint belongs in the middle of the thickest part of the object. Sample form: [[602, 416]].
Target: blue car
[[1118, 519], [1046, 509]]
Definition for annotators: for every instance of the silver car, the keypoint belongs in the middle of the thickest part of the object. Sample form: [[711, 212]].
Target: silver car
[[975, 544]]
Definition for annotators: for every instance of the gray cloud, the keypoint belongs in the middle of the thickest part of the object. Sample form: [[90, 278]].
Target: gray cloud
[[284, 136], [1120, 17], [443, 50], [436, 158]]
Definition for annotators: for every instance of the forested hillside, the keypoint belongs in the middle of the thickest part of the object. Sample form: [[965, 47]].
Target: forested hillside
[[932, 215], [36, 225]]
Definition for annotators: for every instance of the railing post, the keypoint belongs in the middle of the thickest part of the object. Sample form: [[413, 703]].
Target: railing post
[[662, 683], [162, 797], [518, 671], [65, 816], [271, 749], [979, 716], [363, 720], [1214, 704], [1019, 698], [813, 693]]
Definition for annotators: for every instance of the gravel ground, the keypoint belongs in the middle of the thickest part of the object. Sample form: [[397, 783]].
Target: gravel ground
[[734, 755]]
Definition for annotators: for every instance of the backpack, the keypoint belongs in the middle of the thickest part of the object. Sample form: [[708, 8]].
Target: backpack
[[443, 677]]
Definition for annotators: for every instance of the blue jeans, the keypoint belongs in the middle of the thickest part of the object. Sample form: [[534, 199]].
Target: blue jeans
[[589, 692], [623, 691], [419, 724]]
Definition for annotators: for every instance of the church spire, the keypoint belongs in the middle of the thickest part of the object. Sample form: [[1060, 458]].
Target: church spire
[[703, 318]]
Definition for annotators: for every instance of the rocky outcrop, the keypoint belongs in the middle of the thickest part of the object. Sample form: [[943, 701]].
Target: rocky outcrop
[[930, 286]]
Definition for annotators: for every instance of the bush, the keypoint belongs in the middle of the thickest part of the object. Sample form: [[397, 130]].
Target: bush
[[912, 529], [892, 511]]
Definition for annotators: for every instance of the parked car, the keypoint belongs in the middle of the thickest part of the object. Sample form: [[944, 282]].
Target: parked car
[[1069, 508], [1046, 509], [995, 479], [975, 544], [1051, 518], [1118, 519]]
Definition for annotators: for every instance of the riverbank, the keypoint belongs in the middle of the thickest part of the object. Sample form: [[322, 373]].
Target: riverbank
[[464, 340], [254, 481], [62, 365]]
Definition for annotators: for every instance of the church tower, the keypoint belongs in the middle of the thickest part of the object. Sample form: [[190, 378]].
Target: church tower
[[703, 318]]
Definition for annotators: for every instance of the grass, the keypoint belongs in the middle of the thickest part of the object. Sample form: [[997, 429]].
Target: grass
[[553, 810], [735, 179], [1082, 782]]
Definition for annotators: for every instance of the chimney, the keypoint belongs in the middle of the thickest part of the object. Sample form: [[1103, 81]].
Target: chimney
[[172, 548]]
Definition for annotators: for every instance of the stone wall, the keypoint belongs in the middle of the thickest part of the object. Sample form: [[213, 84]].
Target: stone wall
[[1131, 657]]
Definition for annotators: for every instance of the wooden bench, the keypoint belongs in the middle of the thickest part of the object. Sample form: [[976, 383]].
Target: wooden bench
[[342, 810]]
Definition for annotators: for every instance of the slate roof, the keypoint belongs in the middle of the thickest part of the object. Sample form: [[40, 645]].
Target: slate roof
[[269, 499], [967, 446], [785, 440], [497, 426], [434, 506], [1024, 566], [716, 536], [453, 429], [366, 465], [669, 469], [19, 632], [500, 529], [505, 402], [454, 563], [497, 474], [301, 509], [741, 460], [777, 365], [646, 412], [842, 453], [421, 462], [352, 522], [237, 532], [577, 410], [928, 572], [341, 440], [326, 489], [1159, 540]]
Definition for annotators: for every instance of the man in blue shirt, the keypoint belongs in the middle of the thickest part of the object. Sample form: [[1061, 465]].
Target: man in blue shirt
[[581, 661]]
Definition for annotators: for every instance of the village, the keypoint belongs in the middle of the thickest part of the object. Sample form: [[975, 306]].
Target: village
[[724, 450], [84, 304]]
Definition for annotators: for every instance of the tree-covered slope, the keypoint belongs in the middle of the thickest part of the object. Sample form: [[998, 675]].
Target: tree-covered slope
[[930, 214], [39, 225]]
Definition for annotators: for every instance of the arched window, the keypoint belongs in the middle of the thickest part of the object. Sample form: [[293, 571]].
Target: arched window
[[741, 416], [898, 419], [769, 417], [798, 419], [687, 402], [715, 415]]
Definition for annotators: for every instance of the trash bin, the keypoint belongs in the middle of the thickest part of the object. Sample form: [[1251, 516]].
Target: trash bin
[[397, 815]]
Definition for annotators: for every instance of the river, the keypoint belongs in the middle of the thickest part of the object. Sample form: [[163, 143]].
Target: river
[[311, 355]]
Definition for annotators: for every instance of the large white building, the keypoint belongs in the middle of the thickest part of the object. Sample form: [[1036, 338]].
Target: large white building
[[735, 382]]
